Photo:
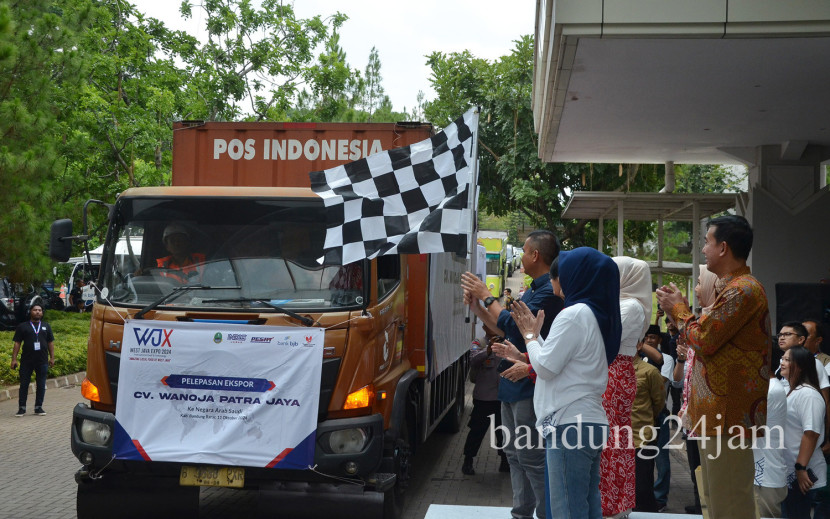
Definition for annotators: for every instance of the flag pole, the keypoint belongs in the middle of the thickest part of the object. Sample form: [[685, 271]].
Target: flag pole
[[472, 203]]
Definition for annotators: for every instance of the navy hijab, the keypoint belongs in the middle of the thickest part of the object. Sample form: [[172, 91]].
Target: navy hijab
[[590, 277]]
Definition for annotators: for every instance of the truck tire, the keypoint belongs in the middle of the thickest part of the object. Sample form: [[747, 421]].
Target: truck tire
[[393, 499], [453, 420]]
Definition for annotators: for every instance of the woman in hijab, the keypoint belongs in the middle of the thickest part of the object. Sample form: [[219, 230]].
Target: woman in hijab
[[685, 367], [571, 373], [617, 484], [705, 292]]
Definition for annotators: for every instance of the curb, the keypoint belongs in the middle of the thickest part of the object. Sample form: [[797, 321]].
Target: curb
[[12, 392]]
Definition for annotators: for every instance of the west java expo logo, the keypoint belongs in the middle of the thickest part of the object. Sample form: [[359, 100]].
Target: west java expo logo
[[155, 337]]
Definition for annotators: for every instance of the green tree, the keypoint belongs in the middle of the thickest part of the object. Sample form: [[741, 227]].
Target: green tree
[[116, 129], [373, 93], [119, 134], [342, 94], [707, 178], [417, 113], [256, 56], [40, 67], [333, 82], [511, 175], [692, 178]]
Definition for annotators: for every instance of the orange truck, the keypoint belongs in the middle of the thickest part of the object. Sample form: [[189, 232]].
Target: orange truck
[[392, 368]]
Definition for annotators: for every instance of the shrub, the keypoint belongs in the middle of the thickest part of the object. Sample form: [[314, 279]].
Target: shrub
[[71, 332]]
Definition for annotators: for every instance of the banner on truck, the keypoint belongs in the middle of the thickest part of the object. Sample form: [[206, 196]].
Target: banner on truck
[[222, 394]]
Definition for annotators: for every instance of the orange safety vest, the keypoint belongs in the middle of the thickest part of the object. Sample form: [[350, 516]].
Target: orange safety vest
[[195, 265]]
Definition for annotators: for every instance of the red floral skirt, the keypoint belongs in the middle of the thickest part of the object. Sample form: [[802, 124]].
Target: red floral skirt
[[616, 483]]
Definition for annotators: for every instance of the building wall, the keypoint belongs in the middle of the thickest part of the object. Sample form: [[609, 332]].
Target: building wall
[[790, 215]]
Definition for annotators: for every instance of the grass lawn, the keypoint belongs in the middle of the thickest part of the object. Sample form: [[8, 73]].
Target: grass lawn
[[71, 332]]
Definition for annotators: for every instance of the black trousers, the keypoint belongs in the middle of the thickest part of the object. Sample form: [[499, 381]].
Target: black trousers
[[479, 423], [676, 399], [644, 480], [693, 457], [41, 371]]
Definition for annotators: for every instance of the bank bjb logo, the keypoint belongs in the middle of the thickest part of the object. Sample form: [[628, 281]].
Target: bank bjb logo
[[155, 337], [217, 338], [287, 342]]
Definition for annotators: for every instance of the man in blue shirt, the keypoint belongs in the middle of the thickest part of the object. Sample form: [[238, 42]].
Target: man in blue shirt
[[524, 447]]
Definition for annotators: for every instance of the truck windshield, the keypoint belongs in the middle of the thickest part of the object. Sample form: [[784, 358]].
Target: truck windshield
[[493, 264], [257, 253]]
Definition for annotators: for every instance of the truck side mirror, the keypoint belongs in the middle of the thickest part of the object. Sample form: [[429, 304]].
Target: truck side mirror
[[60, 241]]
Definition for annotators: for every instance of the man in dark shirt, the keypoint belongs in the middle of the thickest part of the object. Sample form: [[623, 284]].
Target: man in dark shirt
[[76, 300], [38, 355], [523, 449]]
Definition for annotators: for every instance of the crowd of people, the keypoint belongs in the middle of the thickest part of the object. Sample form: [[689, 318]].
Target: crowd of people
[[585, 377]]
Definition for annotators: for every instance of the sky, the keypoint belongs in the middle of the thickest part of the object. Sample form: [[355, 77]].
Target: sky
[[403, 32]]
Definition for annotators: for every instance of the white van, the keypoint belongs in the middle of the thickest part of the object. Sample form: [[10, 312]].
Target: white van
[[89, 271]]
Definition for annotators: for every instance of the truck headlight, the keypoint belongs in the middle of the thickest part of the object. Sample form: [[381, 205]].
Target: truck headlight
[[347, 441], [95, 433]]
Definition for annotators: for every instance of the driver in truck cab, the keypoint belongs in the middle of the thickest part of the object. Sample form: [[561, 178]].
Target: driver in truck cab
[[182, 264]]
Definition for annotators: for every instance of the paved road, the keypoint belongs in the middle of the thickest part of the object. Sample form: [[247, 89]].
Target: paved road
[[36, 480]]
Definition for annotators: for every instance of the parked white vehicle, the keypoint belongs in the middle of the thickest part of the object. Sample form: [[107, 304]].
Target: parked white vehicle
[[89, 271]]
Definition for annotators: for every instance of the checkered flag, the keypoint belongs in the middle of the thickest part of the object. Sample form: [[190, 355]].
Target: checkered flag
[[410, 200]]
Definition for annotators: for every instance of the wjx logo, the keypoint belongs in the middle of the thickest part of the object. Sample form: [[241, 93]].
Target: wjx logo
[[156, 337]]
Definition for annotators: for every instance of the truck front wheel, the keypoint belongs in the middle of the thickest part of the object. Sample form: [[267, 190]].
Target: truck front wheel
[[393, 499]]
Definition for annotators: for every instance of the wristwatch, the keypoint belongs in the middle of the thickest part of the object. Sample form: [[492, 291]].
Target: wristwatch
[[489, 301], [530, 337], [799, 466]]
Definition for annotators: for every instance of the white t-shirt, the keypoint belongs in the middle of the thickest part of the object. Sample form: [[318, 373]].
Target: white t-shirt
[[571, 369], [805, 412], [770, 468], [633, 321], [823, 379]]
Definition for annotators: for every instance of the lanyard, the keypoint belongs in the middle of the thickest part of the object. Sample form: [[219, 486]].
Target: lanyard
[[37, 330]]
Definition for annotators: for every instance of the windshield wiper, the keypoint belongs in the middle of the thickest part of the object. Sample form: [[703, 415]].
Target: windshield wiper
[[176, 292], [305, 320]]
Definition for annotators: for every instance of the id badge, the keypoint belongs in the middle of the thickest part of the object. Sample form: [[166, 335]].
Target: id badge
[[37, 346]]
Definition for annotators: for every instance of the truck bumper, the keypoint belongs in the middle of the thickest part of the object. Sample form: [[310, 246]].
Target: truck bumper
[[362, 463]]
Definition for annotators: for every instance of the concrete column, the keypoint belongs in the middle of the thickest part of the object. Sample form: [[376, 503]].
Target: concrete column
[[696, 246], [620, 222], [601, 235], [789, 210], [659, 253]]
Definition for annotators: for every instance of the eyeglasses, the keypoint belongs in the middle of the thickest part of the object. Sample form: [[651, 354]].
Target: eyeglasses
[[785, 334]]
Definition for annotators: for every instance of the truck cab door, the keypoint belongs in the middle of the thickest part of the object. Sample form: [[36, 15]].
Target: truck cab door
[[388, 312]]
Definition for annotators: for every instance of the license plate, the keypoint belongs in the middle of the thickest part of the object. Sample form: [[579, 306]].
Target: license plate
[[204, 476]]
